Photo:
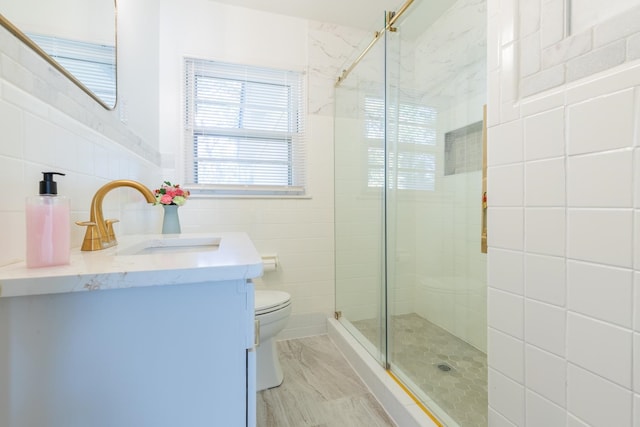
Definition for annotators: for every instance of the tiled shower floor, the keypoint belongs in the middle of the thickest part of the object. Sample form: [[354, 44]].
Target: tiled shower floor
[[418, 347]]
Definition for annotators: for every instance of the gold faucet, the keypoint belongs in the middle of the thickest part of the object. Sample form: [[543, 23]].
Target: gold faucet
[[100, 234]]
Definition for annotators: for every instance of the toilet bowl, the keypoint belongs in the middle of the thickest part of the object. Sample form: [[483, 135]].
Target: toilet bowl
[[272, 310]]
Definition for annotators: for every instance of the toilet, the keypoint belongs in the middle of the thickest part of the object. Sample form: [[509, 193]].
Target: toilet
[[272, 310]]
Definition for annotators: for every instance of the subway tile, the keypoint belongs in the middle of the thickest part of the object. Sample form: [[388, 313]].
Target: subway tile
[[545, 279], [572, 421], [600, 347], [546, 375], [508, 19], [601, 292], [597, 60], [505, 144], [545, 183], [633, 47], [568, 48], [545, 231], [552, 22], [618, 27], [603, 123], [548, 101], [636, 301], [530, 59], [542, 412], [506, 354], [636, 363], [506, 183], [600, 236], [544, 80], [505, 270], [505, 227], [505, 312], [509, 74], [545, 326], [636, 176], [601, 180], [496, 419], [506, 397], [12, 136], [529, 14], [597, 401], [604, 84], [544, 135]]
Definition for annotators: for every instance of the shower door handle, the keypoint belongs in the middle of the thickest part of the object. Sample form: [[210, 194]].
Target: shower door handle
[[483, 232]]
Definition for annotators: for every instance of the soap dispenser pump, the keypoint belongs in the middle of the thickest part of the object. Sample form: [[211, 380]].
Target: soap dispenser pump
[[48, 225]]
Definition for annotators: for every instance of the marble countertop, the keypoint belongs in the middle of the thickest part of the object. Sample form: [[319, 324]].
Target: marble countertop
[[127, 265]]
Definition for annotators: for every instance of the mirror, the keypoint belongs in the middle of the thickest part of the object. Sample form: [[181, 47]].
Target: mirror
[[77, 37]]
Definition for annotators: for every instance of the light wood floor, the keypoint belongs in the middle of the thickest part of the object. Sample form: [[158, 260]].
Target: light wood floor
[[320, 389]]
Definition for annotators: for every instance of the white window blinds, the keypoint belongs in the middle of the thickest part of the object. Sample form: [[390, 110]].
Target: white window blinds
[[244, 130], [91, 63], [411, 163]]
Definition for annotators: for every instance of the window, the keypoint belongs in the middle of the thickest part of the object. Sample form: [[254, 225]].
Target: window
[[91, 63], [412, 165], [243, 129]]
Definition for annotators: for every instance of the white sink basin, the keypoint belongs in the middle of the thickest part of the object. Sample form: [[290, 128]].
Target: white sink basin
[[172, 245]]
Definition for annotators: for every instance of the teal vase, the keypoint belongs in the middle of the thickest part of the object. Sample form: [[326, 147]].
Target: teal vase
[[171, 221]]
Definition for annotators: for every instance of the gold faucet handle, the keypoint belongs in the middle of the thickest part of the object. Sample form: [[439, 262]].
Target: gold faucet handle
[[111, 235], [86, 223]]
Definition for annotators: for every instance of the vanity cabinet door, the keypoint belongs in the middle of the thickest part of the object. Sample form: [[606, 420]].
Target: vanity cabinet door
[[160, 356]]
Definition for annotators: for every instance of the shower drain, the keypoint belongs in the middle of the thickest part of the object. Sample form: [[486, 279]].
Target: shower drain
[[444, 367]]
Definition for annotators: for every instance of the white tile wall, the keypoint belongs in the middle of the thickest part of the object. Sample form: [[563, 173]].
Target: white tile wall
[[610, 358], [546, 375], [580, 239], [509, 362], [610, 186], [597, 401], [544, 135], [542, 412], [40, 134], [545, 326], [602, 292], [507, 397], [544, 278], [545, 183], [545, 231]]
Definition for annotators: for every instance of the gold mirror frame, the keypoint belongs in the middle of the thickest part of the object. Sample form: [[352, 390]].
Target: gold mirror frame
[[34, 46]]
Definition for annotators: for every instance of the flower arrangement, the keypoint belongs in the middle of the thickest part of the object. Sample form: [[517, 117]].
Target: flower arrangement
[[169, 194]]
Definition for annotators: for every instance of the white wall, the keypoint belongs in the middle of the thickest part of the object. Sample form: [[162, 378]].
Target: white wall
[[49, 124], [563, 220], [299, 231]]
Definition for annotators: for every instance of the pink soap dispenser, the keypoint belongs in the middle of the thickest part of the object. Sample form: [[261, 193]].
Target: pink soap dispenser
[[48, 225]]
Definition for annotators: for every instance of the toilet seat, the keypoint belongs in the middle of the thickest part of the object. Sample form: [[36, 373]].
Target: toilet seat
[[270, 301]]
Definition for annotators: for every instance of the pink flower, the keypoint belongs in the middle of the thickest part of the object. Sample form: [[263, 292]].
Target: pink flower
[[166, 199]]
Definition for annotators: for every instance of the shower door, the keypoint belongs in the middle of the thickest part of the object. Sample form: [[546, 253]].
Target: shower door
[[436, 271], [410, 273], [359, 203]]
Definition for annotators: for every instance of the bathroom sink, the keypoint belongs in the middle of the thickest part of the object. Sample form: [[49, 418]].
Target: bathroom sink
[[172, 245]]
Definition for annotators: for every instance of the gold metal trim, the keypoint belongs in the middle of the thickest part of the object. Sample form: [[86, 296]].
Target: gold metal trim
[[31, 44], [392, 18], [483, 232], [415, 399]]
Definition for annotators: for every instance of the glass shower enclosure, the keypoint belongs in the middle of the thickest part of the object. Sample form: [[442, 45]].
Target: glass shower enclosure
[[410, 272]]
